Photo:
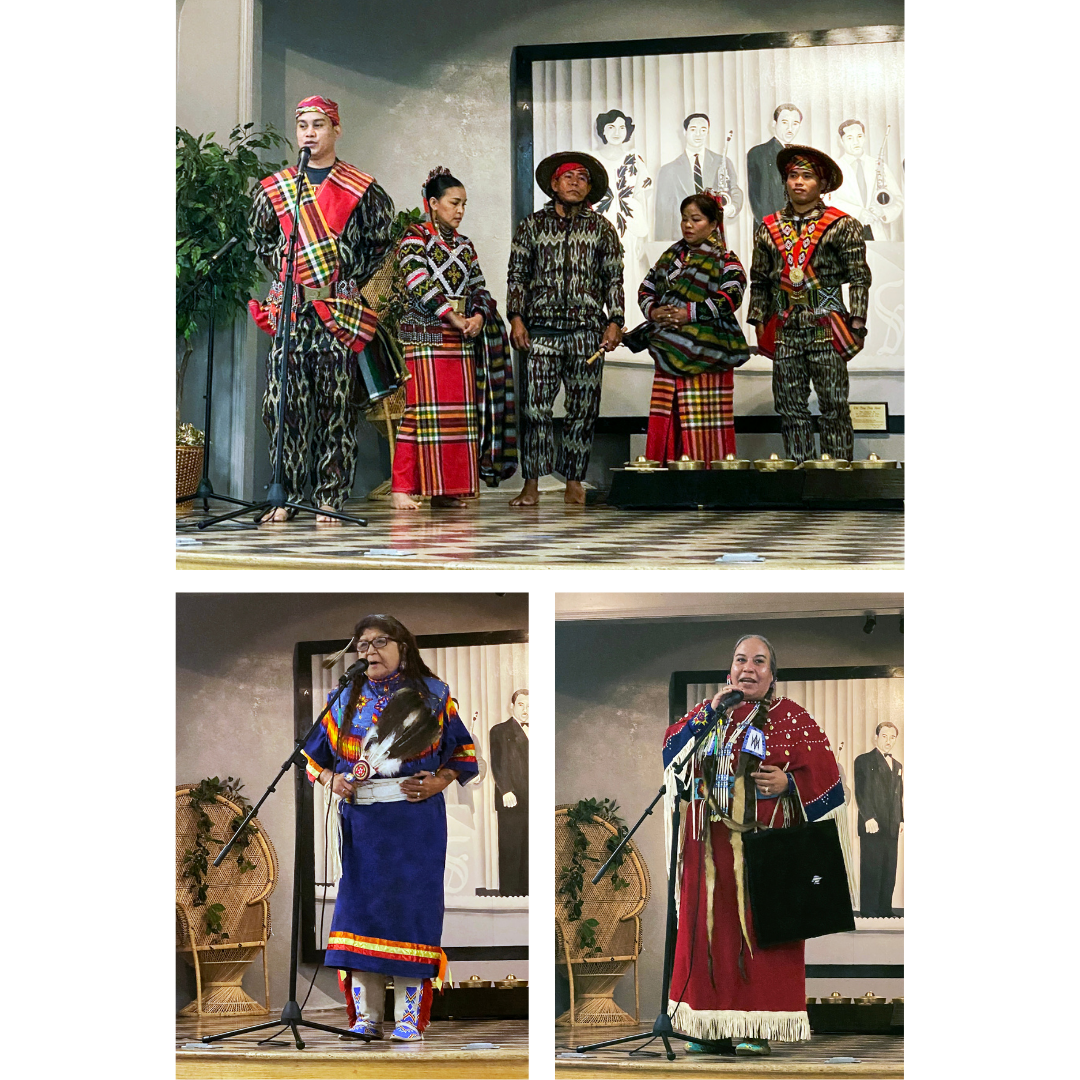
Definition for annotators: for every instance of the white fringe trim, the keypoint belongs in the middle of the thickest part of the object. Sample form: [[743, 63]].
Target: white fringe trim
[[733, 1024], [840, 815]]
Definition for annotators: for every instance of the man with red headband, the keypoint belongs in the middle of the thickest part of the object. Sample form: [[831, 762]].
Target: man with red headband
[[802, 257], [564, 298], [344, 236]]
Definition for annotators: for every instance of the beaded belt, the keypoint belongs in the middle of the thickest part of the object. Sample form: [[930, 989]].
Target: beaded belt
[[381, 789]]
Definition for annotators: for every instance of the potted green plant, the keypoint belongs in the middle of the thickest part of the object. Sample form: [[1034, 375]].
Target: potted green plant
[[214, 183]]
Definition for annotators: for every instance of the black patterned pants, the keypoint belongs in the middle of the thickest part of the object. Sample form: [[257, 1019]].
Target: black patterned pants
[[800, 361], [555, 361], [320, 413]]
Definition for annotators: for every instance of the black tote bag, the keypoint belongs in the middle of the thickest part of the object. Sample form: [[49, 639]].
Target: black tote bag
[[797, 883]]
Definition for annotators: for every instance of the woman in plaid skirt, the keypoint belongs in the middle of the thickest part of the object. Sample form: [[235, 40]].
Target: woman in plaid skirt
[[689, 299], [459, 410]]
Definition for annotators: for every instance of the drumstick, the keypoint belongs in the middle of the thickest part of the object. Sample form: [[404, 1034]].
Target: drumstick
[[599, 352]]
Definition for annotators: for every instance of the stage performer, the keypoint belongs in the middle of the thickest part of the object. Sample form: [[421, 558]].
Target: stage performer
[[802, 256], [727, 992], [344, 236], [389, 747], [564, 298], [689, 299], [459, 409]]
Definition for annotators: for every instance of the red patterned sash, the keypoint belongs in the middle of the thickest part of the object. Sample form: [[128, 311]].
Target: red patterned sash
[[323, 214]]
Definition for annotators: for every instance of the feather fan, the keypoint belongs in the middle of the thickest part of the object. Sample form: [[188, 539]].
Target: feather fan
[[405, 729]]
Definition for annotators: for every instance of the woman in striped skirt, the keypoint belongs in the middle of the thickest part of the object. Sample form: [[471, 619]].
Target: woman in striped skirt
[[458, 421], [689, 299]]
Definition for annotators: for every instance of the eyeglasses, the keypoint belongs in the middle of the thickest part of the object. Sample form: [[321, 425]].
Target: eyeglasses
[[375, 643]]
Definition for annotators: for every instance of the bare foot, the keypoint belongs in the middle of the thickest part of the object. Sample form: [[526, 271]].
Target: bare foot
[[399, 500], [324, 519], [276, 516], [530, 494], [574, 494], [443, 502]]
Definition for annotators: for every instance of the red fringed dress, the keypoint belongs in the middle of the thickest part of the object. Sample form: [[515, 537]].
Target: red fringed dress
[[766, 999]]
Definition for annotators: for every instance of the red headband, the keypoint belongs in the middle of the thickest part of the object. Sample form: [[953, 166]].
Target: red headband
[[568, 166], [328, 108]]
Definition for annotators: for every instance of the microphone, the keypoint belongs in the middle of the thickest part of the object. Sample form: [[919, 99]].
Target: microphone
[[225, 248], [305, 153], [358, 668], [731, 698]]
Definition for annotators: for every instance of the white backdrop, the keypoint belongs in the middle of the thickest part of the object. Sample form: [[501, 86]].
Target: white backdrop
[[739, 90]]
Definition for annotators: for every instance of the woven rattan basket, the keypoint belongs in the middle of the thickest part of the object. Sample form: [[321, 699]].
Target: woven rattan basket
[[618, 936], [188, 474], [220, 964]]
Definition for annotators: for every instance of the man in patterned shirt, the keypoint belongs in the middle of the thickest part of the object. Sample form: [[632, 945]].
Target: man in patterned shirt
[[802, 257], [564, 299], [343, 238]]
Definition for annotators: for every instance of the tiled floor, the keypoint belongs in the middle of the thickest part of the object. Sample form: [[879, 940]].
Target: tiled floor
[[489, 534]]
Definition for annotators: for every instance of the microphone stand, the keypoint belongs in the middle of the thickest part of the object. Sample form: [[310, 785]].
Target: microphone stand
[[292, 1015], [662, 1028], [205, 489], [276, 498]]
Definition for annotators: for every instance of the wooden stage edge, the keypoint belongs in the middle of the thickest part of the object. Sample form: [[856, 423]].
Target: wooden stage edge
[[304, 1064], [482, 1049], [728, 1069]]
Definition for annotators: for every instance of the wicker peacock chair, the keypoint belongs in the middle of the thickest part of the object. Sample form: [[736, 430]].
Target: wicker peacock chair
[[220, 964], [618, 934]]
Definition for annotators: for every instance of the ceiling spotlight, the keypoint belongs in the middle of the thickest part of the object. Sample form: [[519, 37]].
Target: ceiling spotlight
[[871, 623]]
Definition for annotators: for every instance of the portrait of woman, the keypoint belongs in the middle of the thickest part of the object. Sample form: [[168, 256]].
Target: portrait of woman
[[627, 203], [689, 299], [459, 423], [389, 747]]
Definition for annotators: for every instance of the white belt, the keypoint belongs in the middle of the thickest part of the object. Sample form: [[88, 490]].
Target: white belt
[[381, 789]]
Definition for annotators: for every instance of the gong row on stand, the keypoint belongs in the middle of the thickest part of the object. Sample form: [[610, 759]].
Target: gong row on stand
[[771, 483], [773, 463]]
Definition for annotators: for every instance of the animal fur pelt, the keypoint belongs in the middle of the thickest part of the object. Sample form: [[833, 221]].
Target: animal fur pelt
[[405, 729]]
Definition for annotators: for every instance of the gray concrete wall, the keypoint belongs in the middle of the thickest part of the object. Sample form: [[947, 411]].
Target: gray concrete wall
[[234, 708], [611, 712]]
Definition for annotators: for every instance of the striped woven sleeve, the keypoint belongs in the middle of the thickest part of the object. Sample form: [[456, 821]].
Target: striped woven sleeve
[[611, 272], [761, 288], [425, 293], [365, 241], [850, 248], [265, 231], [646, 294], [459, 751], [732, 283], [519, 271]]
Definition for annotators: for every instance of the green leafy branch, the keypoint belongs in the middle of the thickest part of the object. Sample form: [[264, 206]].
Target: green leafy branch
[[214, 182], [571, 880], [196, 862]]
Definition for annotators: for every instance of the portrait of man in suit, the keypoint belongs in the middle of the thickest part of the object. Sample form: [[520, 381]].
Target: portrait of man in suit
[[870, 192], [509, 743], [764, 183], [695, 169], [879, 794]]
